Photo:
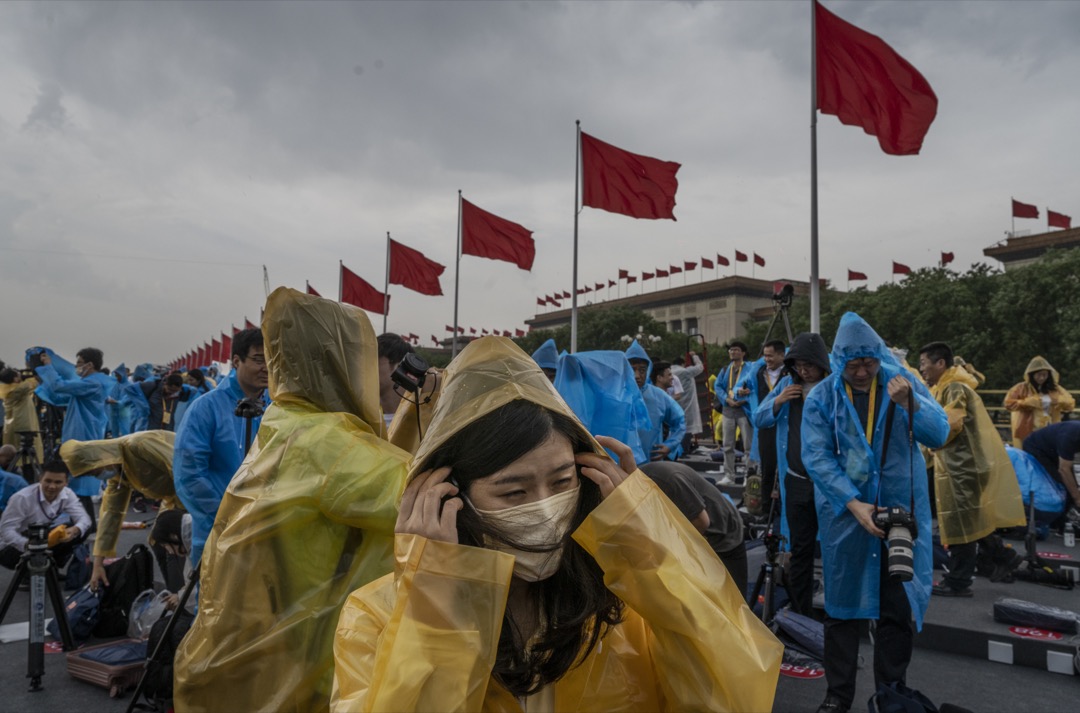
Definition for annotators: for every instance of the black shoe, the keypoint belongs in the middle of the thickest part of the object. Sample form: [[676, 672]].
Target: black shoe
[[944, 590], [1004, 568], [832, 704]]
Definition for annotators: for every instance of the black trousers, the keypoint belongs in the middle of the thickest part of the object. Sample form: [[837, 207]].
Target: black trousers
[[892, 641], [802, 530], [735, 562], [766, 440], [962, 560]]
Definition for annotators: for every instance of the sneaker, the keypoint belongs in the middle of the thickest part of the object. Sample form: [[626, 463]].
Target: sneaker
[[832, 704], [1004, 568], [728, 480], [944, 590], [1073, 516]]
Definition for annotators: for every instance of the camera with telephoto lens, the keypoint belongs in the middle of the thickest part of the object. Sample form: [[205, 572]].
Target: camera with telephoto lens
[[411, 373], [900, 534]]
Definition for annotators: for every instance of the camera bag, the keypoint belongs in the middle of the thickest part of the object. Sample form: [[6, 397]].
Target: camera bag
[[1038, 616], [81, 610], [128, 577]]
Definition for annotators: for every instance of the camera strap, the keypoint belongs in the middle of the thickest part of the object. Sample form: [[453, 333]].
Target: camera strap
[[889, 416]]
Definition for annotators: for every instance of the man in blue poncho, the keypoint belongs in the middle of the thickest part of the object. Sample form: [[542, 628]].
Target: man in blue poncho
[[210, 444], [664, 412], [849, 419], [547, 358], [85, 418]]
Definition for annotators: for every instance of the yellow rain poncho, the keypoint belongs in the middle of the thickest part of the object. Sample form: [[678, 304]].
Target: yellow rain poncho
[[19, 412], [146, 459], [1031, 409], [425, 637], [974, 483], [307, 518]]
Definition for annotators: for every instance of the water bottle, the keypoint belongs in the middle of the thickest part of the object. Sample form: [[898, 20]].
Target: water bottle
[[1070, 535]]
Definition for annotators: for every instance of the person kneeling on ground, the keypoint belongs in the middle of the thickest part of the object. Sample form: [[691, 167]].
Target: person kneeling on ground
[[49, 502]]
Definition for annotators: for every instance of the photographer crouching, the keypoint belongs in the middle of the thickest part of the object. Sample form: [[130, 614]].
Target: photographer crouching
[[49, 502], [858, 450]]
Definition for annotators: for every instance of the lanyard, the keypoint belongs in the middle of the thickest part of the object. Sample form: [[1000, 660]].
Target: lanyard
[[731, 377], [41, 506], [870, 411]]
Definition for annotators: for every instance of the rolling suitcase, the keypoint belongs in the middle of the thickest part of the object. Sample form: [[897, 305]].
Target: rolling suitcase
[[115, 666]]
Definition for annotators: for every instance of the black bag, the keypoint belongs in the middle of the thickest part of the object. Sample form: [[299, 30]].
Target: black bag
[[158, 679], [80, 567], [128, 577], [81, 610], [898, 698]]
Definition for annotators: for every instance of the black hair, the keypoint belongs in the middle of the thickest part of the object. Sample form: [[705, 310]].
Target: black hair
[[197, 375], [740, 345], [174, 379], [56, 466], [393, 347], [92, 355], [105, 370], [679, 361], [575, 603], [1047, 387], [776, 344], [244, 340], [658, 369], [7, 376], [938, 350]]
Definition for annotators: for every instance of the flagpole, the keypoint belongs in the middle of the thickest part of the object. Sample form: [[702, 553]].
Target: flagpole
[[573, 292], [386, 287], [340, 276], [457, 277], [815, 287], [1011, 199]]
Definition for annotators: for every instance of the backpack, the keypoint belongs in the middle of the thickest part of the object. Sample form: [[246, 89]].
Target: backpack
[[158, 676], [128, 577], [79, 567], [81, 610]]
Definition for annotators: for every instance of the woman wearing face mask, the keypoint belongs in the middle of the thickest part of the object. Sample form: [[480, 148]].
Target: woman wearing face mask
[[533, 573]]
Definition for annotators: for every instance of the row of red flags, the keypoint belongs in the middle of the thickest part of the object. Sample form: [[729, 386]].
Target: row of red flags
[[1053, 219], [215, 350], [898, 268]]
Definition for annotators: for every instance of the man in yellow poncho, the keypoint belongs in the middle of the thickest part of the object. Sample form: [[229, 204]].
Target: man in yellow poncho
[[308, 518], [146, 460], [1039, 400], [431, 636], [20, 414], [974, 484]]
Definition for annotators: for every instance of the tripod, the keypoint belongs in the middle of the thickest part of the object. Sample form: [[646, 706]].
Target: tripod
[[781, 305], [29, 468], [1034, 568], [37, 564], [771, 570], [248, 409]]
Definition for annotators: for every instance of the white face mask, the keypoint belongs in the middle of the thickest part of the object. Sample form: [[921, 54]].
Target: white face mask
[[542, 524]]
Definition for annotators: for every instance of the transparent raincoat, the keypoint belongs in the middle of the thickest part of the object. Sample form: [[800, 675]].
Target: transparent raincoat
[[20, 413], [146, 458], [308, 518], [843, 465], [1032, 409], [425, 637], [974, 482]]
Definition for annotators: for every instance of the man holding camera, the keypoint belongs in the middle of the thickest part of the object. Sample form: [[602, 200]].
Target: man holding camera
[[870, 483], [974, 483], [49, 502], [211, 442]]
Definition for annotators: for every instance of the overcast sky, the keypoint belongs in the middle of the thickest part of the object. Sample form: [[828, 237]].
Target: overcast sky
[[154, 155]]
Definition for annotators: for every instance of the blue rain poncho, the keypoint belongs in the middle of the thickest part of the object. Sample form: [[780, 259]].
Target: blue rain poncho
[[844, 466], [85, 418], [209, 448], [748, 380], [63, 367], [1050, 495], [134, 398], [119, 411], [663, 411], [599, 388], [547, 356]]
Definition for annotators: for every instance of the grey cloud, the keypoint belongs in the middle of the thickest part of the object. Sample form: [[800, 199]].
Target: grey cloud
[[48, 113]]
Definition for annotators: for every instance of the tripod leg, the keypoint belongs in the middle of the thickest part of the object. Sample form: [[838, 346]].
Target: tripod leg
[[52, 581], [9, 595], [752, 599]]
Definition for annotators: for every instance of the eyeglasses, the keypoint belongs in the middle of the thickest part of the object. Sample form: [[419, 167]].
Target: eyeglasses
[[259, 359], [866, 364]]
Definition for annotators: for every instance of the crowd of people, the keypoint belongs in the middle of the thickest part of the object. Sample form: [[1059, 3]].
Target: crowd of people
[[515, 530]]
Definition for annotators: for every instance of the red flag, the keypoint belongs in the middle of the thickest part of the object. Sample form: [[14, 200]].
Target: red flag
[[435, 339], [740, 257], [758, 260], [449, 328], [208, 353], [235, 330], [357, 291], [611, 283], [690, 265], [622, 182], [647, 275], [311, 290], [540, 301], [248, 324], [409, 268], [723, 261], [898, 268], [226, 347], [519, 332], [506, 333], [623, 274], [946, 258], [487, 235], [707, 264], [472, 330], [852, 275], [864, 82], [461, 330], [483, 332], [1058, 220], [588, 289], [631, 279], [199, 361], [674, 269], [661, 273], [215, 350], [566, 295], [1023, 210]]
